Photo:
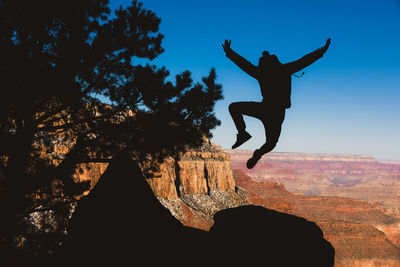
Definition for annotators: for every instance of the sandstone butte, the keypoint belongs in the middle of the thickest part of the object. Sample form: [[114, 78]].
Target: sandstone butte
[[202, 182]]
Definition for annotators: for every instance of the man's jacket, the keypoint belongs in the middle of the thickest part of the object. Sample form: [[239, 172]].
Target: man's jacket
[[276, 81]]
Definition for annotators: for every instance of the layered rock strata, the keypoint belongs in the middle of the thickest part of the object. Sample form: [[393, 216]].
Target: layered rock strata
[[349, 176], [197, 185], [196, 172]]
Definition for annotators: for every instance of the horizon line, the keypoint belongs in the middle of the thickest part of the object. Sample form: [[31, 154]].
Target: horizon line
[[322, 153]]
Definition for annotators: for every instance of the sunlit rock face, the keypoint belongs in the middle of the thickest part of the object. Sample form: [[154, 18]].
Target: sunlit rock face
[[196, 172], [197, 185]]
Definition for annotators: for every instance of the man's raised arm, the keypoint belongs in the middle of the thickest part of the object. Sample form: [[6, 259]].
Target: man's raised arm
[[239, 60], [308, 59]]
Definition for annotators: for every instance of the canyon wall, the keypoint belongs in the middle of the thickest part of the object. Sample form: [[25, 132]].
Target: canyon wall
[[196, 172], [349, 176], [197, 185]]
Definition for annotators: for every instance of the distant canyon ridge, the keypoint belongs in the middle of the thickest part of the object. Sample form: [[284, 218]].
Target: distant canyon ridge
[[349, 176]]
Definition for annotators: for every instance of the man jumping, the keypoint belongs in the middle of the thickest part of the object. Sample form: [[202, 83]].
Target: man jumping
[[275, 83]]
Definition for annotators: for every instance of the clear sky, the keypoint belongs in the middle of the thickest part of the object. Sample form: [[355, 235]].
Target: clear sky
[[348, 102]]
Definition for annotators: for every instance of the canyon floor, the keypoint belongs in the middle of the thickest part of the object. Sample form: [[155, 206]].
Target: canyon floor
[[357, 177]]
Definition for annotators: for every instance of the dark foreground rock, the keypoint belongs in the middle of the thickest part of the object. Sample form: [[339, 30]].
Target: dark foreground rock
[[256, 236]]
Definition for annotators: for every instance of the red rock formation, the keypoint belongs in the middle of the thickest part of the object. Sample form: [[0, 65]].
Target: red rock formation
[[196, 172], [197, 185], [164, 185]]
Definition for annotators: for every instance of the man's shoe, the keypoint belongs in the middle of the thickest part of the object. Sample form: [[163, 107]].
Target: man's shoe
[[241, 138], [253, 160]]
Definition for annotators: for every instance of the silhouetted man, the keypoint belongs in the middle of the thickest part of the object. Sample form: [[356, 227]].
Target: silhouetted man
[[275, 82]]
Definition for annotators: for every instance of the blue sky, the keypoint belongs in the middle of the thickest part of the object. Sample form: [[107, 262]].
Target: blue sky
[[348, 102]]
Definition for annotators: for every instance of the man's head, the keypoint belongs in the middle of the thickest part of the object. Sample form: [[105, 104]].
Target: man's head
[[267, 60]]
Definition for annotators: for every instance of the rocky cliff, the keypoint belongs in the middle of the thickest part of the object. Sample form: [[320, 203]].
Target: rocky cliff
[[196, 172], [197, 185]]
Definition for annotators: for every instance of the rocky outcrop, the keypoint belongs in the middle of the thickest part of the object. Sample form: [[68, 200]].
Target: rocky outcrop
[[256, 236]]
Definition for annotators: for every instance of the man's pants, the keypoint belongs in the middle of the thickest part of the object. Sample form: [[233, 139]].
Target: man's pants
[[271, 117]]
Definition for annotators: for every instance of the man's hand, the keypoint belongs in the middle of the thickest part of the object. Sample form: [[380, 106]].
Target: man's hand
[[325, 47], [226, 46]]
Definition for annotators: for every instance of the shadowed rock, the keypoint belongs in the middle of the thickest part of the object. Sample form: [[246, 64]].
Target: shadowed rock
[[256, 236]]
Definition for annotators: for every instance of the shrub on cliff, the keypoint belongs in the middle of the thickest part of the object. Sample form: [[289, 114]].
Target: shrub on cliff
[[69, 76]]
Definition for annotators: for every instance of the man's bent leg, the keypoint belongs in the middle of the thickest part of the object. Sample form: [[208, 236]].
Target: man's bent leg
[[273, 126], [237, 110]]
